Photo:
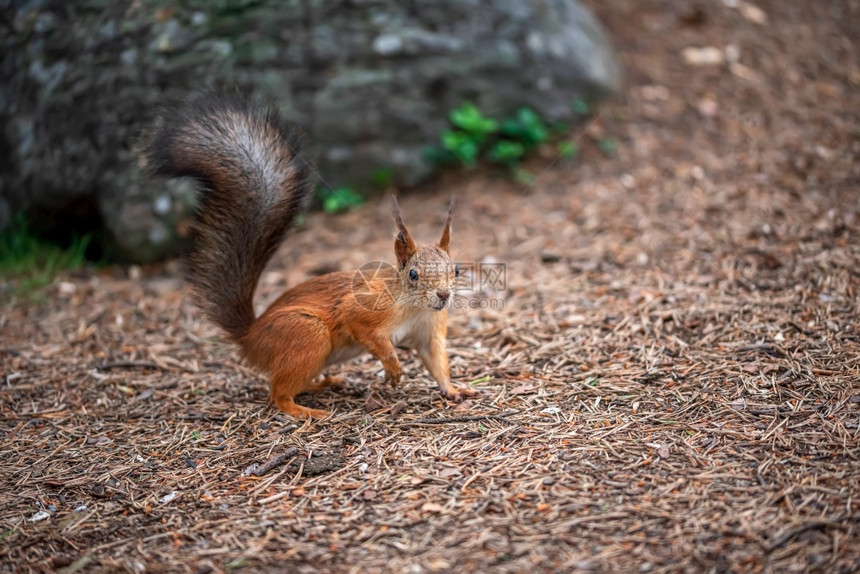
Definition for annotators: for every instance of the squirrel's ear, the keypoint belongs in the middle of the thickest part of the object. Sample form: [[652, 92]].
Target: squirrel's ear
[[446, 233], [404, 246]]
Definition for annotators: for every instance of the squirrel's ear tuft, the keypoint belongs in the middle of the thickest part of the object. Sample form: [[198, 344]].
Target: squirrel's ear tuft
[[404, 246], [446, 233]]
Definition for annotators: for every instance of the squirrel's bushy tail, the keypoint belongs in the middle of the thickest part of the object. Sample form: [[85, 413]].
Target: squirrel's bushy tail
[[255, 182]]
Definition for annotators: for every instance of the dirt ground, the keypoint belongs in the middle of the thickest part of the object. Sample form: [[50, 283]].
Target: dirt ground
[[669, 377]]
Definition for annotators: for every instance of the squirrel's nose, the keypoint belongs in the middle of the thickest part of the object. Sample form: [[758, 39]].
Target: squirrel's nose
[[443, 294]]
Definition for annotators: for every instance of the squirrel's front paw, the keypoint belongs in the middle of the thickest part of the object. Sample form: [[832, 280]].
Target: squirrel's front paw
[[459, 395], [393, 378]]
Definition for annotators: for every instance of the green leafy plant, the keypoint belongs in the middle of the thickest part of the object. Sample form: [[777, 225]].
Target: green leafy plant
[[382, 177], [474, 137], [469, 119], [464, 143], [339, 199], [462, 146], [28, 262], [507, 152], [527, 128]]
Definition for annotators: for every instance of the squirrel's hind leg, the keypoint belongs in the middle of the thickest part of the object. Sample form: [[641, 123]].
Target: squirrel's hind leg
[[287, 383], [294, 345], [289, 406]]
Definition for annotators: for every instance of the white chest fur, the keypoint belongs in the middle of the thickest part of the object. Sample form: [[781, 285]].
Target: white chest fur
[[416, 329]]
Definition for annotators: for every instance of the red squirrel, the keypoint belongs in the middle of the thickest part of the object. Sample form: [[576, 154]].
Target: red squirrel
[[255, 181]]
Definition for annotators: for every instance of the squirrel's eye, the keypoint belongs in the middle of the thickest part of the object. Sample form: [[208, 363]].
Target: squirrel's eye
[[413, 275], [456, 270]]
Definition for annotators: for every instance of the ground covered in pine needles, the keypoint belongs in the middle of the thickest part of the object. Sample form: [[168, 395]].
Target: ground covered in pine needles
[[669, 371]]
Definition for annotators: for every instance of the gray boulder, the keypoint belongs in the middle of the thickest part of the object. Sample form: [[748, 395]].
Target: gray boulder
[[372, 81]]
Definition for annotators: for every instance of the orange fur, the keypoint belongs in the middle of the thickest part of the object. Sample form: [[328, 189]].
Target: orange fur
[[321, 319], [256, 182]]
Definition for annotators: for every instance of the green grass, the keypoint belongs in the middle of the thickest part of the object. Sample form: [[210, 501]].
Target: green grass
[[28, 262]]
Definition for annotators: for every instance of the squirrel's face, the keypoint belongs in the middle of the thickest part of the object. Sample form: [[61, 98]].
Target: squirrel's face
[[426, 271], [428, 279]]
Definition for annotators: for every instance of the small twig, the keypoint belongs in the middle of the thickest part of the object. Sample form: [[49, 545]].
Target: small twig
[[275, 461], [463, 419], [79, 564], [786, 536], [131, 365], [765, 348]]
